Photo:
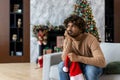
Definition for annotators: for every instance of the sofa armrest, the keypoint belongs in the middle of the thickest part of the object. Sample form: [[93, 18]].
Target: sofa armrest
[[48, 61]]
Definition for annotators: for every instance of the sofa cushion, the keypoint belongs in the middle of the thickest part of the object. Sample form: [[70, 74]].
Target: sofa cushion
[[54, 72], [111, 51], [113, 68], [110, 77]]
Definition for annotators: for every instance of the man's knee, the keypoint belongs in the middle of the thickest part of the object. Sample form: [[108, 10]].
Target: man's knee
[[92, 72]]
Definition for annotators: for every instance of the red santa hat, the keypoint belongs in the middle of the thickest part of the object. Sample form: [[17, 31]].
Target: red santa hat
[[75, 71], [40, 61]]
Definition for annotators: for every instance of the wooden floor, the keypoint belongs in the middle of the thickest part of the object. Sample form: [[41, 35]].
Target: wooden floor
[[20, 71]]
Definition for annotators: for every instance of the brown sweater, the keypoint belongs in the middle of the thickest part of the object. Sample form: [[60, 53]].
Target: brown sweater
[[86, 47]]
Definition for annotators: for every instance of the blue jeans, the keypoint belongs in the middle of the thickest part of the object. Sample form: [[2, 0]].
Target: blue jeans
[[90, 72]]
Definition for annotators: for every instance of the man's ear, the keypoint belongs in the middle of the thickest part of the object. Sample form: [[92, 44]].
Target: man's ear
[[80, 30], [65, 34]]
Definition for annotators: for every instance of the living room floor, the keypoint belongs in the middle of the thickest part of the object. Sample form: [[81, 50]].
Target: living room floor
[[20, 71]]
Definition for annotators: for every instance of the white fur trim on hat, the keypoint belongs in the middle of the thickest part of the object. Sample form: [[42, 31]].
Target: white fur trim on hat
[[77, 77], [65, 69]]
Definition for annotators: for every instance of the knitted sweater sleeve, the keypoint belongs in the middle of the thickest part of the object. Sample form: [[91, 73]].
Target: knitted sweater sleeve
[[67, 46], [97, 58]]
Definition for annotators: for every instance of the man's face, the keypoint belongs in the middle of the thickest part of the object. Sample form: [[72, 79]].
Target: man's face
[[73, 30]]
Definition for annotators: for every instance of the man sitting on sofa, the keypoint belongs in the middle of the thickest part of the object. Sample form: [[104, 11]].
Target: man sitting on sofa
[[85, 50]]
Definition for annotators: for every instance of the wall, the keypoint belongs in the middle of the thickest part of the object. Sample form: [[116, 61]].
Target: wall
[[56, 11]]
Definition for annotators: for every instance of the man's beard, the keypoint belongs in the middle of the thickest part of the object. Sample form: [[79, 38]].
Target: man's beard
[[70, 34]]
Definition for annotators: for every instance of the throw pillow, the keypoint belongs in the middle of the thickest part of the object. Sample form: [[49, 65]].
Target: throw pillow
[[112, 68]]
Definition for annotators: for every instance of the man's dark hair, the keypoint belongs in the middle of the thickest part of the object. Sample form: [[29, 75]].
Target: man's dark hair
[[76, 20]]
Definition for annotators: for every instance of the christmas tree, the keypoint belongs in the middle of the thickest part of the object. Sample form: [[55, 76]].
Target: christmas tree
[[83, 9]]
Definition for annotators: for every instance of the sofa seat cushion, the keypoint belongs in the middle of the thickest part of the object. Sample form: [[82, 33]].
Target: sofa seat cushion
[[54, 75], [110, 77], [113, 68]]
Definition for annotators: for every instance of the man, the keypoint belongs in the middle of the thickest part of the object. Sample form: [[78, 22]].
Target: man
[[85, 49]]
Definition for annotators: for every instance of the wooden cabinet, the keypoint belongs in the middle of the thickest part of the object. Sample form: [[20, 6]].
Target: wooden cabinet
[[14, 31]]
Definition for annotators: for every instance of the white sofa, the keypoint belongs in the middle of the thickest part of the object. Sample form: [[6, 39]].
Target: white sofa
[[50, 62]]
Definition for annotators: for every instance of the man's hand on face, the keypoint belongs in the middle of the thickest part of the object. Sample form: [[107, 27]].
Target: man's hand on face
[[73, 57]]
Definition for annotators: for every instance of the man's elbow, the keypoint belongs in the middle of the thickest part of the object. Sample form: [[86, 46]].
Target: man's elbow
[[103, 64]]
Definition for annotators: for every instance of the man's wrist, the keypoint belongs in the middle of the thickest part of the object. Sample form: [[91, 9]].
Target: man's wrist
[[79, 59]]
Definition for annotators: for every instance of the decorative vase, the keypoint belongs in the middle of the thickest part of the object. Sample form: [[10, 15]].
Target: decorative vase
[[19, 23], [14, 37]]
